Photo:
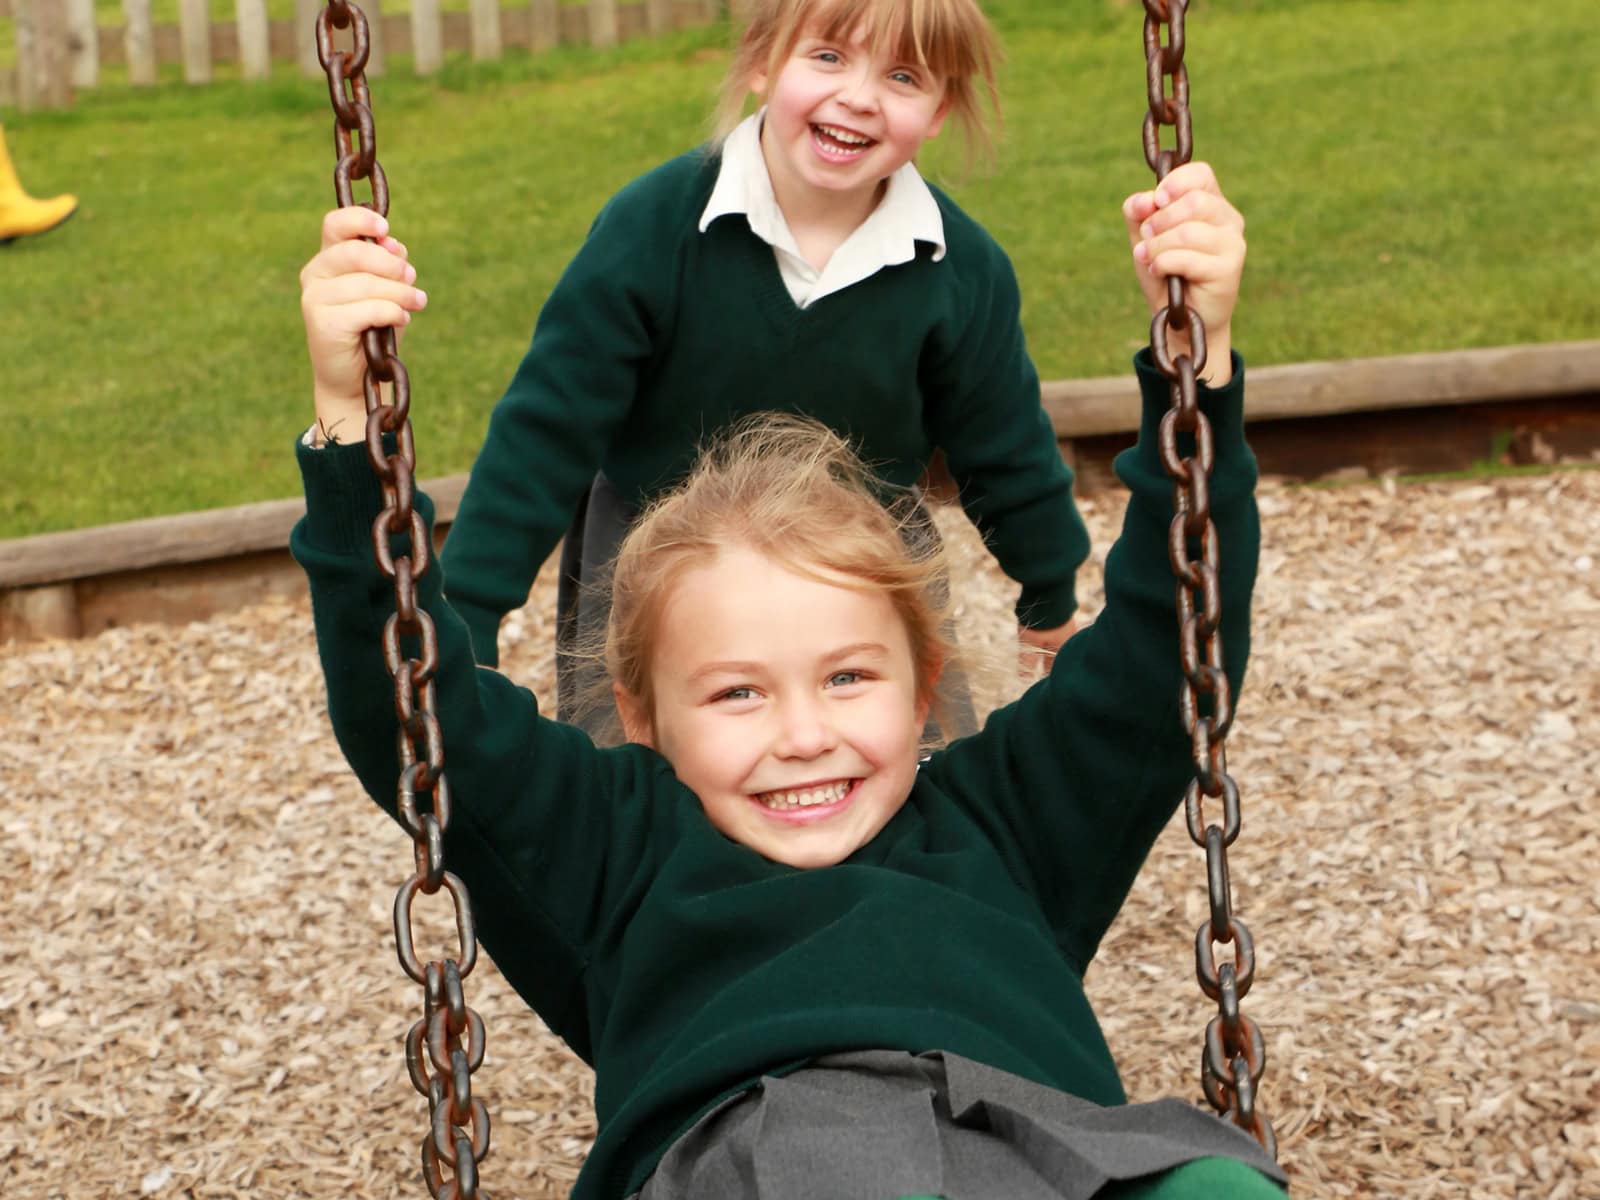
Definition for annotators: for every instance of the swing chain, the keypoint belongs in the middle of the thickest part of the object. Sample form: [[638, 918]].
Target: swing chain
[[446, 1046], [1234, 1054]]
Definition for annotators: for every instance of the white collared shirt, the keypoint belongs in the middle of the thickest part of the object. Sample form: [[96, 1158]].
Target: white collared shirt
[[906, 215]]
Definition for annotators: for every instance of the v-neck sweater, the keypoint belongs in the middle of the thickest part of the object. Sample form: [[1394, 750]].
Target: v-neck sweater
[[682, 965], [658, 335]]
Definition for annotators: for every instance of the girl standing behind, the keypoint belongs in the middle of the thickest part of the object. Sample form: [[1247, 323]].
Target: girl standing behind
[[799, 263]]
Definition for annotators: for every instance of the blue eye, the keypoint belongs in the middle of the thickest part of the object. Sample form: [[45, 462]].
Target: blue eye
[[845, 678], [827, 56], [738, 693], [905, 77]]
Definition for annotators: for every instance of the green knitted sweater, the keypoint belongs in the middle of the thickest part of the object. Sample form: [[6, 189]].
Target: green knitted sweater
[[658, 335], [683, 965]]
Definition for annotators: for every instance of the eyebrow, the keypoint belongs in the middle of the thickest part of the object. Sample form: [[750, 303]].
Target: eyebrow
[[855, 649]]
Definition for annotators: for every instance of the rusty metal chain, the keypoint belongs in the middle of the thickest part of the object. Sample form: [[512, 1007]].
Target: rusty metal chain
[[1234, 1055], [446, 1046]]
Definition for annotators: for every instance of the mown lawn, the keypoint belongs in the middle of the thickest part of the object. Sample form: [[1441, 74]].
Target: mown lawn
[[1413, 174]]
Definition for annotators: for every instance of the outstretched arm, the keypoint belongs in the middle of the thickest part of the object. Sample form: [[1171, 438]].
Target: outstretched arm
[[549, 433], [981, 392]]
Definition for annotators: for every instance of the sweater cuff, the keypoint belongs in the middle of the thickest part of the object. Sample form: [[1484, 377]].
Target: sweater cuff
[[1223, 407], [343, 496], [1048, 607], [483, 627]]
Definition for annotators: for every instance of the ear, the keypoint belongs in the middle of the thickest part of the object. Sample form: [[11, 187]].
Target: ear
[[943, 111], [757, 84], [636, 725]]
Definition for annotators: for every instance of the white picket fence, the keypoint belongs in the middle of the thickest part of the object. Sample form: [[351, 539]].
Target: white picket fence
[[59, 47]]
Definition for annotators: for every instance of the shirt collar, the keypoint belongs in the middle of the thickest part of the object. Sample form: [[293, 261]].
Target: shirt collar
[[906, 215]]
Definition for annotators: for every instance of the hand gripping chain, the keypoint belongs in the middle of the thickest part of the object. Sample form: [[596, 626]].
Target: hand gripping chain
[[446, 1046], [1235, 1055]]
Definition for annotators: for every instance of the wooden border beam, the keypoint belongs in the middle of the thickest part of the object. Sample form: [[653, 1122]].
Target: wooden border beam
[[1079, 409], [1088, 407]]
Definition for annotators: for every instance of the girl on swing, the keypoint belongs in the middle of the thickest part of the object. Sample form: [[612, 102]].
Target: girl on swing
[[798, 263], [802, 963]]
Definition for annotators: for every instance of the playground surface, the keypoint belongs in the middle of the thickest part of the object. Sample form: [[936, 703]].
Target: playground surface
[[198, 989]]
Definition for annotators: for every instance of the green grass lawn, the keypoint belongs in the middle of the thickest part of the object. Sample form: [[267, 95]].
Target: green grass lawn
[[1413, 174]]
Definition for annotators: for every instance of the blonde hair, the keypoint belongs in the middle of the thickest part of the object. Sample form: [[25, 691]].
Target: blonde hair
[[790, 488], [950, 38]]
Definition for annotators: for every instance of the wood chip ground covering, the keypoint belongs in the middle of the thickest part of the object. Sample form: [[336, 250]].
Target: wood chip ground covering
[[199, 996]]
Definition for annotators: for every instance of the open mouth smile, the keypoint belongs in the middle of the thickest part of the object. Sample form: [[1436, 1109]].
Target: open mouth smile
[[810, 803], [838, 144]]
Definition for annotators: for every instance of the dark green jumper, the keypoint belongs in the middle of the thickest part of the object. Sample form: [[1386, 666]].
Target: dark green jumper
[[683, 965], [658, 335]]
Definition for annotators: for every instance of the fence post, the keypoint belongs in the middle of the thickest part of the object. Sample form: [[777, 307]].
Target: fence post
[[42, 71], [83, 40], [194, 35], [375, 56], [305, 37], [544, 24], [8, 75], [602, 22], [427, 37], [139, 42], [255, 49], [485, 30]]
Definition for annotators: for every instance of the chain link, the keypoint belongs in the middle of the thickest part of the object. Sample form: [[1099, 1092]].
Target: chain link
[[1234, 1054], [446, 1046]]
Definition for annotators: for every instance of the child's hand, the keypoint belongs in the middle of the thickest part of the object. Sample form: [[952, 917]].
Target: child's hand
[[350, 286], [1038, 647], [1187, 227]]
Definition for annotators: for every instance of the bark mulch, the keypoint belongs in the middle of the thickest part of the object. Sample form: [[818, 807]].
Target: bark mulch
[[199, 995]]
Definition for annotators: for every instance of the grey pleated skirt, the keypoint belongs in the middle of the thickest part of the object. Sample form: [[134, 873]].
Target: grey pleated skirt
[[880, 1124], [583, 594]]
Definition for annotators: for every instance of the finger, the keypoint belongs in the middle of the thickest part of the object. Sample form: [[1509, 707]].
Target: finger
[[1136, 210], [1190, 235], [1198, 267], [352, 221], [1196, 207], [338, 290], [357, 257], [1192, 176], [353, 319]]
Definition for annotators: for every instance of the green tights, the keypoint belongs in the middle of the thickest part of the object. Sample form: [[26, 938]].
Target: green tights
[[1202, 1179]]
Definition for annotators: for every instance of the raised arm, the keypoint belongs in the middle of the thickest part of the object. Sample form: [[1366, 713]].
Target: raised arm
[[543, 829], [1076, 780]]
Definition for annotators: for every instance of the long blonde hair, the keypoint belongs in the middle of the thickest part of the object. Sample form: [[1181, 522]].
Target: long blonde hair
[[790, 488], [950, 38]]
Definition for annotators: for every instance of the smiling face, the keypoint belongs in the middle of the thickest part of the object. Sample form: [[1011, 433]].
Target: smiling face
[[842, 116], [787, 704]]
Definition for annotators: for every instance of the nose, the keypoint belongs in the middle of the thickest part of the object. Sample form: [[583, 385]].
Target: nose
[[805, 729], [858, 89]]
